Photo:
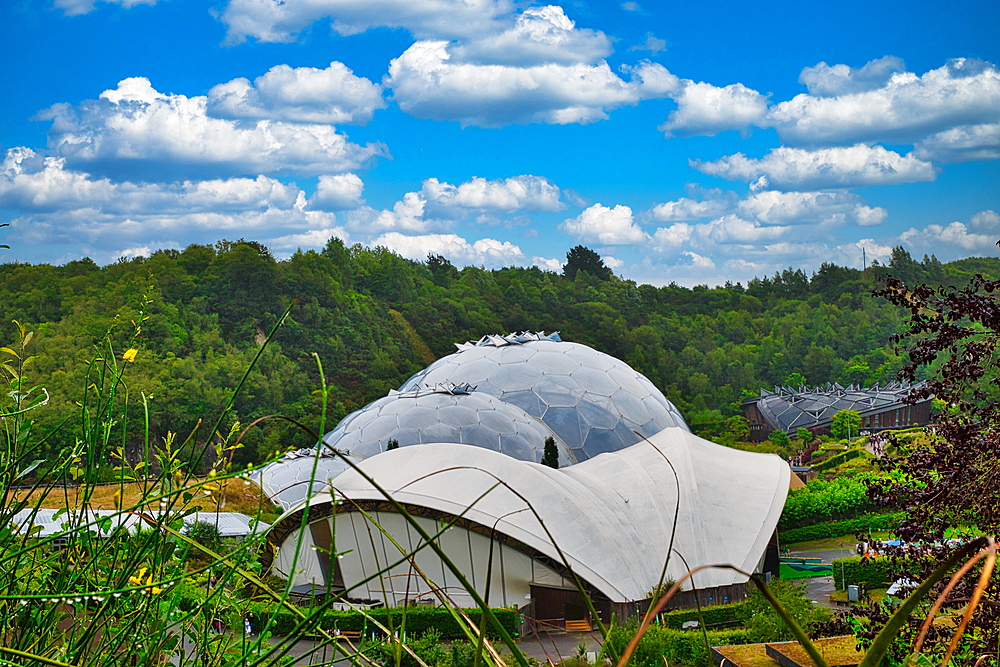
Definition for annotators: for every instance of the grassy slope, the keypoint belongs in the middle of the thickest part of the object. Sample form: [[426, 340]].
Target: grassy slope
[[238, 498]]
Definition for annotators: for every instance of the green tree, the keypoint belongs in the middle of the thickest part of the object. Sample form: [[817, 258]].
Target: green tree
[[550, 457], [846, 423], [392, 444], [780, 438], [442, 270], [804, 435], [737, 428], [582, 258], [205, 534], [795, 379], [764, 624]]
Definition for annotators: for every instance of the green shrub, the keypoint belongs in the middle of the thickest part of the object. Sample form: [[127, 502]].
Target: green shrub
[[838, 459], [722, 613], [868, 573], [840, 498], [419, 620], [821, 531], [763, 623], [678, 647], [204, 533], [428, 647]]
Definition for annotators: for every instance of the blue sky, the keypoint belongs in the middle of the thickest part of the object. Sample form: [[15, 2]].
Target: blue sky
[[695, 143]]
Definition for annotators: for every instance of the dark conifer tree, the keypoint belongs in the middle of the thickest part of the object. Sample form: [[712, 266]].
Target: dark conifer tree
[[550, 457], [582, 258]]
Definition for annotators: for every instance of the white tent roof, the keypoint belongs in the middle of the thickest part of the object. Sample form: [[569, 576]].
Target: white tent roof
[[611, 515], [51, 524], [231, 524]]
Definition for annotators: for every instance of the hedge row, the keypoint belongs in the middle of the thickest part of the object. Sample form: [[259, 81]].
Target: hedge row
[[721, 613], [678, 647], [838, 459], [869, 573], [818, 531], [418, 620]]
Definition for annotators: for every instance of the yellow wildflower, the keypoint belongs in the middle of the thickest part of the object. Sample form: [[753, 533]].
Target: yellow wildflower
[[156, 590], [136, 580], [130, 354]]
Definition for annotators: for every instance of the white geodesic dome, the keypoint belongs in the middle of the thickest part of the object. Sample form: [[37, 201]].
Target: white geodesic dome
[[441, 414], [298, 475], [594, 402], [445, 413]]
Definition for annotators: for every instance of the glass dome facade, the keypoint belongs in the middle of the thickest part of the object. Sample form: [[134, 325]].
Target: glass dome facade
[[289, 480], [444, 413], [594, 402]]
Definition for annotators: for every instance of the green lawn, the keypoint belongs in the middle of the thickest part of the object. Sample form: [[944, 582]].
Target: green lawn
[[829, 543]]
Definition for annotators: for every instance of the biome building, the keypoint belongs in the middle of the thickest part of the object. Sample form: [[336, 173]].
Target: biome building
[[470, 431], [789, 409]]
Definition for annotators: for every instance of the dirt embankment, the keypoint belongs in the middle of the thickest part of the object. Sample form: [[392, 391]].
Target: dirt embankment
[[235, 496]]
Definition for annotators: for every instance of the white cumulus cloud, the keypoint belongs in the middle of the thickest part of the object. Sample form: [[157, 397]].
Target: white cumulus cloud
[[283, 20], [548, 264], [54, 205], [135, 129], [406, 214], [427, 83], [518, 193], [484, 252], [823, 80], [686, 208], [957, 239], [699, 261], [608, 226], [836, 206], [337, 192], [904, 110], [539, 35], [986, 221], [314, 238], [439, 205], [706, 110], [961, 144], [29, 182], [710, 237], [787, 168], [299, 95]]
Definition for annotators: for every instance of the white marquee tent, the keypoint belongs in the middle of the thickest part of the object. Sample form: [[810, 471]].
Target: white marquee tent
[[611, 516]]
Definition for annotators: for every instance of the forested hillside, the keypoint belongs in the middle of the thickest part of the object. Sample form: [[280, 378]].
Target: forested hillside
[[374, 319]]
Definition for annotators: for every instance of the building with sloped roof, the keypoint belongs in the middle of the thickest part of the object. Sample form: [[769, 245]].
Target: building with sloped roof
[[470, 430], [53, 523], [789, 409], [519, 531]]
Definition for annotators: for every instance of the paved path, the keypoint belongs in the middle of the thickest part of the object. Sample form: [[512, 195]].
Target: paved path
[[818, 589]]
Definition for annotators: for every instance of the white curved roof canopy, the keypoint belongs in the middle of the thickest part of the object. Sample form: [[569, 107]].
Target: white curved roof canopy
[[612, 515]]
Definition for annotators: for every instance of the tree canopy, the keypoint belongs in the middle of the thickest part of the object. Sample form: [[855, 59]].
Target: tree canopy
[[374, 318], [582, 258]]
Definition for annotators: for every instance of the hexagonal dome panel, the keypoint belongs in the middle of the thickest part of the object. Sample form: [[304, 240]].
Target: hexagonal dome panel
[[443, 413], [590, 399]]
